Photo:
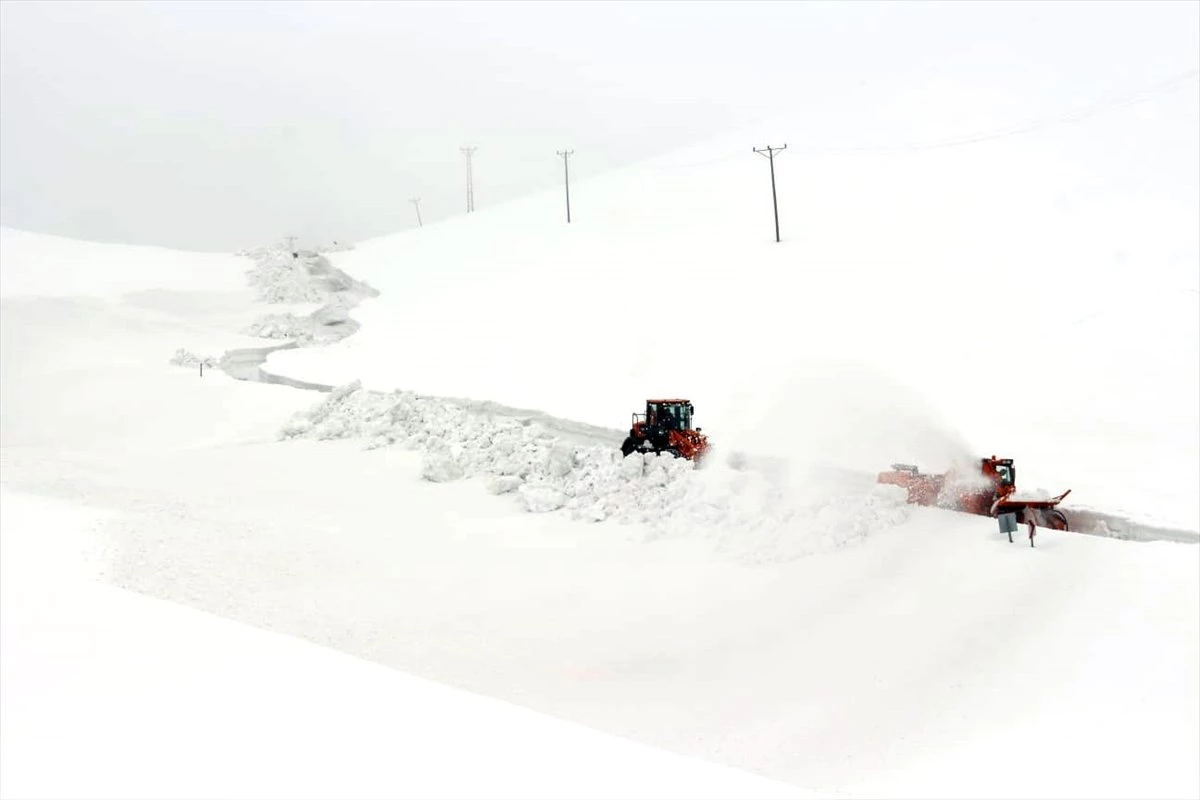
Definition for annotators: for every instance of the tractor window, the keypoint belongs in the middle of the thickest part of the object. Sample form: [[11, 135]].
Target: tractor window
[[671, 416], [668, 417], [1005, 473]]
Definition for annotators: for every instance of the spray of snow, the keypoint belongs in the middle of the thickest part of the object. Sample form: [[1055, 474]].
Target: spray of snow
[[747, 514], [845, 414]]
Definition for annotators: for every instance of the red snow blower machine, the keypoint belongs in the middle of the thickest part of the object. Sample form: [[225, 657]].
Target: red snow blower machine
[[990, 493]]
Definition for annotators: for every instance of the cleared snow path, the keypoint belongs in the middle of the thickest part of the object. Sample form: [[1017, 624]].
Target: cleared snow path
[[760, 508], [245, 364], [285, 277]]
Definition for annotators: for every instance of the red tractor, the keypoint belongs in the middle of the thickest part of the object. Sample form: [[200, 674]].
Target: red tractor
[[993, 491], [666, 427]]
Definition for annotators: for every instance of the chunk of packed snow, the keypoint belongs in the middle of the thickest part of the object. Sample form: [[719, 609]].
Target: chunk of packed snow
[[281, 326], [503, 484], [540, 498], [441, 468]]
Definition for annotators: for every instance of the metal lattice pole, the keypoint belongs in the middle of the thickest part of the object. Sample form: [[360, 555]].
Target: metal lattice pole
[[468, 152]]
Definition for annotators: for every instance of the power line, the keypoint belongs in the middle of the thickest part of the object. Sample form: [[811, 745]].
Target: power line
[[769, 152], [468, 152], [566, 154]]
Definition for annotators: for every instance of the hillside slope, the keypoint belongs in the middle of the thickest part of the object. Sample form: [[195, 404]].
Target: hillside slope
[[821, 634], [108, 693], [1021, 296], [106, 438]]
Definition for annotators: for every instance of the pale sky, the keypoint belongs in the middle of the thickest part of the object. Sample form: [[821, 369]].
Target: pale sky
[[220, 124]]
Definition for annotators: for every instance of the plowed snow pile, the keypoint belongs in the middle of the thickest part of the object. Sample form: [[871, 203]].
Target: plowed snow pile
[[278, 277], [747, 514]]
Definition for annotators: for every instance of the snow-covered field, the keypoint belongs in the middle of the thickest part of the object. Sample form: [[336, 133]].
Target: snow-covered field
[[456, 510], [1025, 301], [107, 693]]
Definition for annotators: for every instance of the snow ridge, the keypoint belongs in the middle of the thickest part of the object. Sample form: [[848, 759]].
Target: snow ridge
[[279, 277], [281, 326], [753, 517]]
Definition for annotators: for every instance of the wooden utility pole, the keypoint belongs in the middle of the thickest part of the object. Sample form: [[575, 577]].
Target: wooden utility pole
[[567, 179], [416, 201], [770, 152]]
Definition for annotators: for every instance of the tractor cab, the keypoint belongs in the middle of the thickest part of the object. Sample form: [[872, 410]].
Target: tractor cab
[[666, 427], [1001, 472], [669, 415]]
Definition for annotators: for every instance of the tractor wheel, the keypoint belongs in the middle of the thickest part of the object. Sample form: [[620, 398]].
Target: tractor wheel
[[629, 446], [1056, 520]]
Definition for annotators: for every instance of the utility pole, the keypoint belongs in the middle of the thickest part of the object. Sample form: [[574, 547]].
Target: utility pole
[[416, 201], [468, 151], [770, 152], [567, 179]]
